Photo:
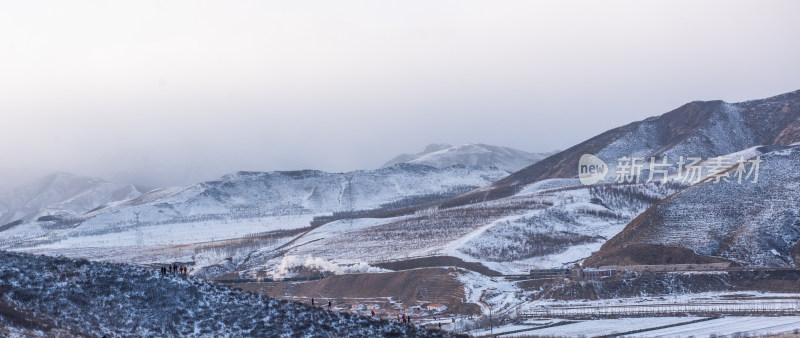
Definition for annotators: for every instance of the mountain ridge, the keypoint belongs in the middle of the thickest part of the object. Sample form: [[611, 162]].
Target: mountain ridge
[[698, 128]]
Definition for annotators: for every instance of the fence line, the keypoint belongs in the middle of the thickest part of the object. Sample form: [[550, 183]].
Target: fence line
[[765, 308]]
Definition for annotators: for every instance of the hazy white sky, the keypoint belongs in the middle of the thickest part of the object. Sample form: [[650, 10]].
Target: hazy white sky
[[164, 91]]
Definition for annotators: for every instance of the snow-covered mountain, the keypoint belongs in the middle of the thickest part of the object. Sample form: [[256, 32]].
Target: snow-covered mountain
[[697, 129], [553, 222], [474, 154], [751, 223], [61, 194], [253, 202], [56, 297]]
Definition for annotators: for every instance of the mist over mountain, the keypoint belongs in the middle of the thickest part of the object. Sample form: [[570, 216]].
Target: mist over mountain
[[71, 194], [61, 194]]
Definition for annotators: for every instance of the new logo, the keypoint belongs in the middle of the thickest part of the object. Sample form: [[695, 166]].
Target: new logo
[[591, 169]]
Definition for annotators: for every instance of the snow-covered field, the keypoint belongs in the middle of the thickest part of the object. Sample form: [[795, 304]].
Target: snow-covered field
[[750, 326], [591, 328], [549, 228], [710, 300], [649, 327], [506, 299]]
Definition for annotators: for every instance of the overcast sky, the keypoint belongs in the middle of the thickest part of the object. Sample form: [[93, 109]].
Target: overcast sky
[[164, 92]]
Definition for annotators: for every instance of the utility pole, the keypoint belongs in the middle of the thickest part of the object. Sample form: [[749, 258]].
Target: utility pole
[[138, 230], [349, 198], [349, 179], [491, 323]]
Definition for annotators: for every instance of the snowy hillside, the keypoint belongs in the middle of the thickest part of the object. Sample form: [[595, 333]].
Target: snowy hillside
[[753, 223], [544, 228], [60, 194], [476, 154], [273, 204], [257, 224], [702, 129], [550, 224], [44, 296]]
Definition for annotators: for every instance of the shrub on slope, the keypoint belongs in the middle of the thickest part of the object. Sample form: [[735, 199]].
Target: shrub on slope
[[43, 295]]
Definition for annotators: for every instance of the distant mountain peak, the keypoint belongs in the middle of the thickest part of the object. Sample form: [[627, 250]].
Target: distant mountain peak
[[442, 155]]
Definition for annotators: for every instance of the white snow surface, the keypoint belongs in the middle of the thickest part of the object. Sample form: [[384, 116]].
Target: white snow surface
[[743, 326], [600, 327]]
